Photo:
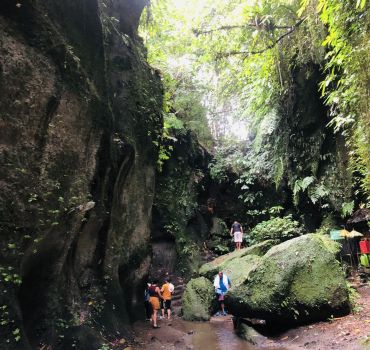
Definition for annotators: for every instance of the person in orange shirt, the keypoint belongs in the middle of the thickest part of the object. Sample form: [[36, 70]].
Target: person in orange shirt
[[167, 290]]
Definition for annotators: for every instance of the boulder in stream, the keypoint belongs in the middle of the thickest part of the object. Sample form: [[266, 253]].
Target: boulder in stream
[[197, 300]]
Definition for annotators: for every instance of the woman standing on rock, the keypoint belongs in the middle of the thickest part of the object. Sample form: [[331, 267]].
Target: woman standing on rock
[[155, 295], [237, 231]]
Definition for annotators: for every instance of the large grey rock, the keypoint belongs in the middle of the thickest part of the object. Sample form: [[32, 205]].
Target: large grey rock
[[298, 280]]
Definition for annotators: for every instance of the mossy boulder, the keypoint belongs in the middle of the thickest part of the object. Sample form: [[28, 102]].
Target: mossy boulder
[[198, 299], [228, 262], [296, 281]]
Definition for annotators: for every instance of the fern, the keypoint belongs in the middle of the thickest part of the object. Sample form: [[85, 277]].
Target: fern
[[301, 185], [317, 193], [306, 182], [347, 208]]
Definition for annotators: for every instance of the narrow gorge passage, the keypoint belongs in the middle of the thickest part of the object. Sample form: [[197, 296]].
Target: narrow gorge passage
[[133, 133]]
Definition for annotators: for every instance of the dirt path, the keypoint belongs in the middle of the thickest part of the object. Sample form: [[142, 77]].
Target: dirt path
[[345, 333], [351, 332], [171, 335]]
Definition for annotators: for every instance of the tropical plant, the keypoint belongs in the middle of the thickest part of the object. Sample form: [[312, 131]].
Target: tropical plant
[[261, 62], [276, 229]]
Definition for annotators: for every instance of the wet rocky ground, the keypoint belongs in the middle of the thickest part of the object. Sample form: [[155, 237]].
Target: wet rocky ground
[[351, 332]]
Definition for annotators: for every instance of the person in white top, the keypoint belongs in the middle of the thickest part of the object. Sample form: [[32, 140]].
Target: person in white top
[[222, 284]]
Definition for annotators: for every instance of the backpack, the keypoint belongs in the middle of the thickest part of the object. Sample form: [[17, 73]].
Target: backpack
[[146, 295]]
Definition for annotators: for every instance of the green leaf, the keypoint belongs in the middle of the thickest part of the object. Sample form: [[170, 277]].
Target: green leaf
[[347, 208], [306, 182], [361, 4]]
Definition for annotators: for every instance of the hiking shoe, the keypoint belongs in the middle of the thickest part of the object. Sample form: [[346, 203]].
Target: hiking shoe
[[224, 313], [218, 313]]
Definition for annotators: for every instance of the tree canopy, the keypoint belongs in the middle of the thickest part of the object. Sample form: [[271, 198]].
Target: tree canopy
[[225, 61]]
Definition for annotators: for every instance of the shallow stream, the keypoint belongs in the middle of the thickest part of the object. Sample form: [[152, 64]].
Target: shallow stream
[[218, 334]]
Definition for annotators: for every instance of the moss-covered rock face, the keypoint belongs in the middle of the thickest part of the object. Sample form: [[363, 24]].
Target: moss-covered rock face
[[197, 300], [80, 114], [219, 240], [296, 281], [179, 211], [236, 264]]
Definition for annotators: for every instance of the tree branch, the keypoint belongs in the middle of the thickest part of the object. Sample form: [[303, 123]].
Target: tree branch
[[268, 47], [198, 32]]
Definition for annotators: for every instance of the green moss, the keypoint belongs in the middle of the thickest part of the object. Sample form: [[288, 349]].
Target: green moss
[[293, 280], [327, 243], [323, 284], [227, 261], [176, 202], [197, 300], [189, 255]]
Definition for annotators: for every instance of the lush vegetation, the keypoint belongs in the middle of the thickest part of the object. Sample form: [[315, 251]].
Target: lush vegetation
[[276, 229], [295, 75], [347, 81]]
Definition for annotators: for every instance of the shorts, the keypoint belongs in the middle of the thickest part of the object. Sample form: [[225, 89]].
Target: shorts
[[220, 295], [238, 237], [166, 304], [154, 301]]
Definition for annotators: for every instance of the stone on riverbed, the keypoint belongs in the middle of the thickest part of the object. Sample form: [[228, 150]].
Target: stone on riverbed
[[249, 334], [296, 281]]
